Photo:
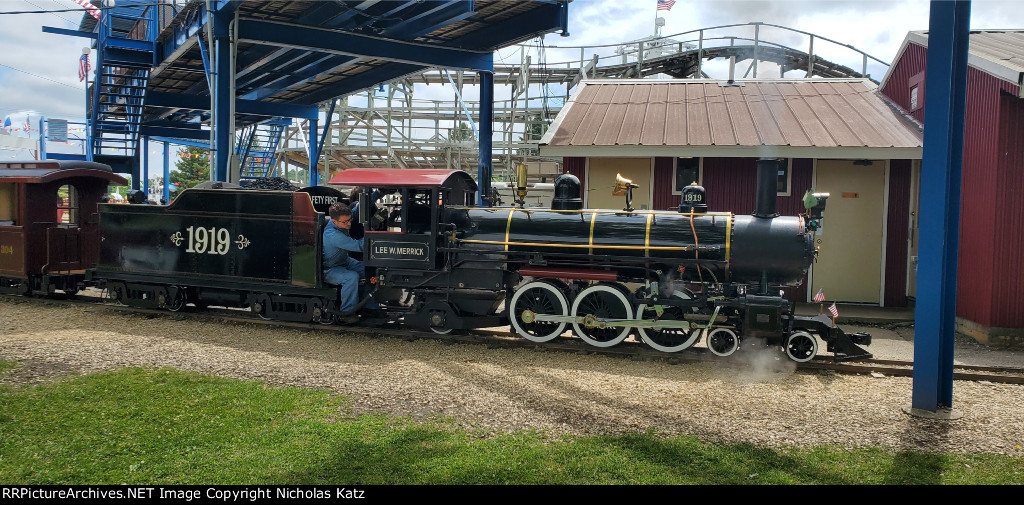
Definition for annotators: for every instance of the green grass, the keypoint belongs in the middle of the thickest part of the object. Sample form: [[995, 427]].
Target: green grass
[[6, 366], [165, 426]]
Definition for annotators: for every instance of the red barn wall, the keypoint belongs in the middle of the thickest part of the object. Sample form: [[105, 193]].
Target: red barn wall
[[989, 268], [1007, 297], [897, 227], [577, 167], [897, 87]]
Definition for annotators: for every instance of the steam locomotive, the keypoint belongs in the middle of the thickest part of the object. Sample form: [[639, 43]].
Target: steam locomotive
[[437, 262]]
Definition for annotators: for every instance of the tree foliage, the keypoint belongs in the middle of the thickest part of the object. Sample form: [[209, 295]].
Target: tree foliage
[[192, 168], [536, 126]]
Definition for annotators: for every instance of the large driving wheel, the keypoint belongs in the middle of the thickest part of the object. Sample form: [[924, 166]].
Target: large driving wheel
[[598, 303], [538, 297], [801, 346], [666, 339]]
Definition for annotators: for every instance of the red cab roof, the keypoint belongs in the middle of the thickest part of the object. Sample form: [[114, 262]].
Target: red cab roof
[[399, 178]]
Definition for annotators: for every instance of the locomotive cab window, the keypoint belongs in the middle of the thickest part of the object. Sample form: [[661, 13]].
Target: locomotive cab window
[[686, 172], [7, 204], [67, 206], [418, 218]]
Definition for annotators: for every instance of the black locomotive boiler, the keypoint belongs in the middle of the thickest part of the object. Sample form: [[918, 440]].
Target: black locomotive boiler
[[671, 278]]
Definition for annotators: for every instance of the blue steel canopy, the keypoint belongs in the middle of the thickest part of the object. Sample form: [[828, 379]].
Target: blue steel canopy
[[164, 69], [300, 53]]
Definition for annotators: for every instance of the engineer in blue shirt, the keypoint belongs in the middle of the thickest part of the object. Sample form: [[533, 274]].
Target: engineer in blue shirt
[[339, 267]]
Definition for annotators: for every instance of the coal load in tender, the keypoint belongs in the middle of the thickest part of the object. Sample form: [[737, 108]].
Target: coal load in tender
[[272, 183]]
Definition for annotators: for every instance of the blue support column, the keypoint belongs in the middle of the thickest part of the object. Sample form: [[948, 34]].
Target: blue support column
[[945, 101], [145, 165], [167, 172], [223, 83], [314, 154], [484, 168], [327, 127], [42, 138]]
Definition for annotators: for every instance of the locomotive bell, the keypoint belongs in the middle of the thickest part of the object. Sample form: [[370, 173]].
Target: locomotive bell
[[621, 185], [693, 199], [624, 187], [567, 193]]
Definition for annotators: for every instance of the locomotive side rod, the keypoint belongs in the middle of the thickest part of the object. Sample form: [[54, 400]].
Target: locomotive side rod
[[591, 321]]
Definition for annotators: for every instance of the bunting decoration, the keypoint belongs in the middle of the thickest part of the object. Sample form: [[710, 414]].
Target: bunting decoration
[[88, 6]]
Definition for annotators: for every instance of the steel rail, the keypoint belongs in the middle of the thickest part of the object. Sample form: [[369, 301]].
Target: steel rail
[[504, 339]]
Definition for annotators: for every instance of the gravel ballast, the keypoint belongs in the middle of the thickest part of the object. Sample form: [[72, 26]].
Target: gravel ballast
[[766, 402]]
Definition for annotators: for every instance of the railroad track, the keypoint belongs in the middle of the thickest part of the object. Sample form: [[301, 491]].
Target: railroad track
[[496, 338]]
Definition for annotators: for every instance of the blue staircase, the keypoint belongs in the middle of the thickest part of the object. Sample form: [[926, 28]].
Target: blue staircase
[[124, 58], [257, 148]]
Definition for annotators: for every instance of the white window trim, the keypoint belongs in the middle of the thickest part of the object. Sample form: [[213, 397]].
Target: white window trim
[[675, 167]]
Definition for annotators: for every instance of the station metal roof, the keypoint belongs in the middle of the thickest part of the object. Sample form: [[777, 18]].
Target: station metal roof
[[786, 117], [996, 52]]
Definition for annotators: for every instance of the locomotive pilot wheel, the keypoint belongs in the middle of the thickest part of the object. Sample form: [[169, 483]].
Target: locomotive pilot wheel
[[723, 342], [801, 346], [596, 305], [538, 297]]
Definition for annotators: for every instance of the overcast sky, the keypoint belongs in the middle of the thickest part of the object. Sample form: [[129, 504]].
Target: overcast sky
[[38, 71]]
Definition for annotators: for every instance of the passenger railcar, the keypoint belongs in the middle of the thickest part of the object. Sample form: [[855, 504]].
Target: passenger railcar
[[49, 233]]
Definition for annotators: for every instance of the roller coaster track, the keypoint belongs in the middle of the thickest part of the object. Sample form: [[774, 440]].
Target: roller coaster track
[[399, 130]]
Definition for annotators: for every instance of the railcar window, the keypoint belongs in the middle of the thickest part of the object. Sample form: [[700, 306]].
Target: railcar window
[[67, 206], [7, 204]]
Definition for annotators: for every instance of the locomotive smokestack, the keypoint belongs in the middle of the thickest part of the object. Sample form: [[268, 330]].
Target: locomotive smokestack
[[767, 187]]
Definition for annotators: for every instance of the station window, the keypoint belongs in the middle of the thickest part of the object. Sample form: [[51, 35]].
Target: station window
[[785, 177], [67, 206], [915, 92], [7, 204], [686, 172]]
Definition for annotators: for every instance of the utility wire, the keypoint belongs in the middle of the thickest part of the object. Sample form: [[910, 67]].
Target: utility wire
[[54, 13], [80, 9], [39, 76]]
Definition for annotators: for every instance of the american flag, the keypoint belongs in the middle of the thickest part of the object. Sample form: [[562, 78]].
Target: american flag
[[820, 296], [666, 5], [83, 67], [90, 7], [834, 310]]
